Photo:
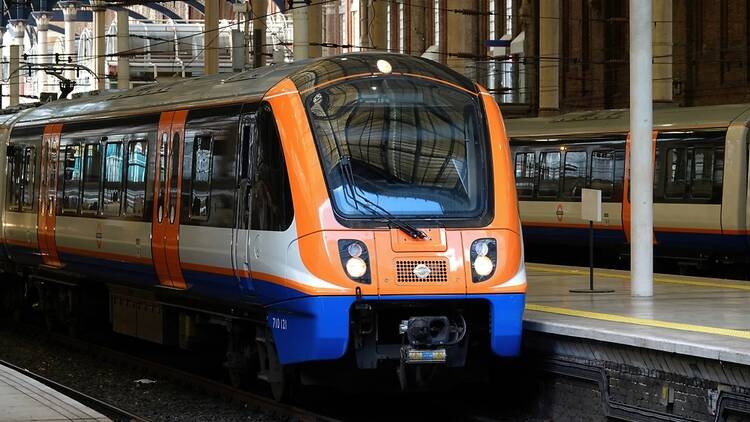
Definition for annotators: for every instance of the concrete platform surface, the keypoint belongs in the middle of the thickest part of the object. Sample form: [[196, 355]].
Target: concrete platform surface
[[25, 399], [694, 316]]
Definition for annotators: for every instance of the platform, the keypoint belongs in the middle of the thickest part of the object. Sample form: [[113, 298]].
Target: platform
[[700, 317], [25, 399]]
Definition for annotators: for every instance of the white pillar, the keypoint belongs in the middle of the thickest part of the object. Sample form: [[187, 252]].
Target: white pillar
[[70, 12], [100, 42], [123, 45], [211, 38], [662, 51], [42, 48], [641, 162], [301, 30], [549, 56], [14, 78]]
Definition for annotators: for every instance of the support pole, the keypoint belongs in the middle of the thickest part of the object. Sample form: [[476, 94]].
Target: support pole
[[549, 57], [100, 43], [259, 11], [301, 30], [15, 57], [42, 48], [662, 51], [314, 31], [641, 162], [211, 38], [123, 45], [70, 14], [373, 24], [417, 30]]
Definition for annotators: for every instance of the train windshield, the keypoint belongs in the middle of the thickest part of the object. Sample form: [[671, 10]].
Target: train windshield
[[401, 148]]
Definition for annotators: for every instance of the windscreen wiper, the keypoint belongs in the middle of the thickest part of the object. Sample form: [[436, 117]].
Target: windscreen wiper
[[375, 209]]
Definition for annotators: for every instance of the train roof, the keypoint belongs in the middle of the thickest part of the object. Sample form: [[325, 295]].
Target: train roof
[[231, 88], [618, 121]]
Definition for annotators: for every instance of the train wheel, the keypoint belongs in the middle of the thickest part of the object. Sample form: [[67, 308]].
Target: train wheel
[[282, 378]]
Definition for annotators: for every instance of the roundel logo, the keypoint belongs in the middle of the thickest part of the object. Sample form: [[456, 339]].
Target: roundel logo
[[422, 271], [559, 212]]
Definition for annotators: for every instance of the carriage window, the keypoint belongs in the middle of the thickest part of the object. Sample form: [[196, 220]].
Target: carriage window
[[271, 194], [92, 176], [675, 166], [174, 176], [575, 174], [718, 174], [72, 179], [549, 174], [525, 168], [201, 178], [15, 166], [701, 174], [112, 191], [27, 184], [603, 172], [162, 175], [135, 188]]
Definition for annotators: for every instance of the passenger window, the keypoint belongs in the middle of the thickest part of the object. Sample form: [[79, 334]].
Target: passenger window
[[174, 176], [15, 166], [112, 190], [603, 172], [72, 179], [718, 174], [701, 180], [549, 174], [92, 176], [271, 195], [575, 174], [135, 188], [29, 161], [201, 178], [675, 169], [525, 172]]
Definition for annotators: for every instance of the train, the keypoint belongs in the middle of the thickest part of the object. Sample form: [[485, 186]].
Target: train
[[356, 209], [700, 197]]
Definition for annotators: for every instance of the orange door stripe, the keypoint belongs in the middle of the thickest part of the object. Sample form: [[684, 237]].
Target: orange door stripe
[[47, 200]]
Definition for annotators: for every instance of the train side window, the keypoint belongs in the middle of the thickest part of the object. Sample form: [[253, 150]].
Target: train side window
[[112, 189], [72, 179], [271, 194], [201, 178], [15, 166], [135, 183], [525, 169], [701, 173], [27, 184], [92, 177], [675, 172], [549, 175], [718, 174], [574, 176], [603, 172]]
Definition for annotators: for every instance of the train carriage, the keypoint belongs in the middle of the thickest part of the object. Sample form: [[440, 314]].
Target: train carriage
[[358, 207], [700, 181]]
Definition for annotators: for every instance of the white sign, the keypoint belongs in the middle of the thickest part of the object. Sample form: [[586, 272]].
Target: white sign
[[591, 205]]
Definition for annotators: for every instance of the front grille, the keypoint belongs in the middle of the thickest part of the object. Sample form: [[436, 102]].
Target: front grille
[[405, 271]]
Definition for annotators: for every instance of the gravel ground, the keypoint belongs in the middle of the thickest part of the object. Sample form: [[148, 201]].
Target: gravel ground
[[159, 401]]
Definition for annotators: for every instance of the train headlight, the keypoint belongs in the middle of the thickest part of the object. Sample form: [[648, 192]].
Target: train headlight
[[355, 260], [483, 259]]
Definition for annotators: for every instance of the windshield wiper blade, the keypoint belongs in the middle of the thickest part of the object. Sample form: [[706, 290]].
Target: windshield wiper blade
[[375, 209]]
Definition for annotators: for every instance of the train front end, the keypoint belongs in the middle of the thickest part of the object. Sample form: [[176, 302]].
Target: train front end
[[408, 249]]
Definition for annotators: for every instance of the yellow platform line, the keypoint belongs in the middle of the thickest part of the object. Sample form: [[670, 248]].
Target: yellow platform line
[[640, 321], [627, 277]]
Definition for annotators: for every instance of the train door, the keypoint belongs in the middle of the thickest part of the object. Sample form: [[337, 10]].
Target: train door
[[241, 248], [48, 195], [165, 227]]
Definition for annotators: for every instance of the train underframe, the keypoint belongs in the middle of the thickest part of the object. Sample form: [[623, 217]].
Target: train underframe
[[412, 344]]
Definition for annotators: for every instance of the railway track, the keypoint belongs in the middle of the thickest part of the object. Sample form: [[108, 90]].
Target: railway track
[[107, 409], [254, 401]]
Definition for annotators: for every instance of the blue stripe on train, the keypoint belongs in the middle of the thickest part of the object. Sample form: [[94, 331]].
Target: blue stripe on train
[[317, 328], [672, 241]]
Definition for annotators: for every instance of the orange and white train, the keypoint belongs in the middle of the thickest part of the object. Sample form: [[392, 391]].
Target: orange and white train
[[356, 208], [701, 202]]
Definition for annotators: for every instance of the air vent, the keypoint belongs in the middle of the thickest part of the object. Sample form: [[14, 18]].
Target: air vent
[[405, 273]]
